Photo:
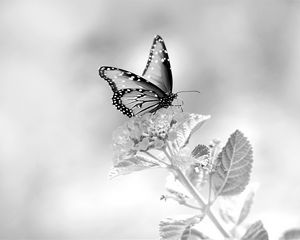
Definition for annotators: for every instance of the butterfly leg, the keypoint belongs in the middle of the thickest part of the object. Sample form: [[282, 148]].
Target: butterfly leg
[[182, 102], [178, 105]]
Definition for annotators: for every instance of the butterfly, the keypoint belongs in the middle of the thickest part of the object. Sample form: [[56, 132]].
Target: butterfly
[[136, 95]]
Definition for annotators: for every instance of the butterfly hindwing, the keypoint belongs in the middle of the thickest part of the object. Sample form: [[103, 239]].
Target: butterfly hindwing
[[158, 68], [137, 101], [133, 95]]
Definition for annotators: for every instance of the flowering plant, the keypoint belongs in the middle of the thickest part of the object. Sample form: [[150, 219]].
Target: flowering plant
[[207, 177], [153, 140]]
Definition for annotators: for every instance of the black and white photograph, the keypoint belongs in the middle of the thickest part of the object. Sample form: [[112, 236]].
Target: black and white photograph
[[150, 120]]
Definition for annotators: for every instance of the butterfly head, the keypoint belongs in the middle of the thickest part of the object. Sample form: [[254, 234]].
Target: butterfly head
[[173, 96], [167, 100]]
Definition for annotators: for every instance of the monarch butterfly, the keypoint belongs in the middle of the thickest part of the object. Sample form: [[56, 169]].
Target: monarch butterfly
[[136, 95]]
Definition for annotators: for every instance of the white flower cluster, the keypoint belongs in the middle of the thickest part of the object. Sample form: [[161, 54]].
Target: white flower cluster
[[167, 131]]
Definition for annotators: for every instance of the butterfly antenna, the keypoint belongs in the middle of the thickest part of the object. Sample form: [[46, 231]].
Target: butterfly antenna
[[188, 91]]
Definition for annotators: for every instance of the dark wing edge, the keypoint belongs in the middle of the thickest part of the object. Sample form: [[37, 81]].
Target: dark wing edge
[[158, 68], [135, 100], [129, 77]]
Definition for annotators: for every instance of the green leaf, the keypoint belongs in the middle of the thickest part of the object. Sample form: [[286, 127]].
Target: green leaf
[[246, 207], [174, 229], [234, 165], [129, 165], [186, 126], [256, 232], [291, 234]]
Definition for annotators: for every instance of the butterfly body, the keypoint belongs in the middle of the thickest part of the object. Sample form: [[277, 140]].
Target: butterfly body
[[136, 95], [167, 100]]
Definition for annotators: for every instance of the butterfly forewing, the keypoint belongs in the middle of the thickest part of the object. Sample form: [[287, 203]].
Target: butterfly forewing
[[158, 69], [121, 79], [133, 95]]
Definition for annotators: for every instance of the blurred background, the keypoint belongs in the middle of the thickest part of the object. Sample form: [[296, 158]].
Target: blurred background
[[56, 117]]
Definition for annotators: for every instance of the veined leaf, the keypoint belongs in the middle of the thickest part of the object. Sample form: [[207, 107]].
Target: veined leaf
[[173, 229], [234, 165], [130, 165], [200, 150], [246, 207], [186, 126], [291, 234], [256, 232]]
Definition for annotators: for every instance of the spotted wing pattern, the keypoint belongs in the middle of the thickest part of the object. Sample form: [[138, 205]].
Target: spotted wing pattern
[[133, 95], [158, 68]]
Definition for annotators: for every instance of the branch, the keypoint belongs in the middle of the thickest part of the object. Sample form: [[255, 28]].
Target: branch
[[194, 192]]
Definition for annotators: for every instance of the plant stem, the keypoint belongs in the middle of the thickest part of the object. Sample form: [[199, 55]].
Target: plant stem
[[190, 206], [168, 155], [182, 202], [155, 158], [186, 182]]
